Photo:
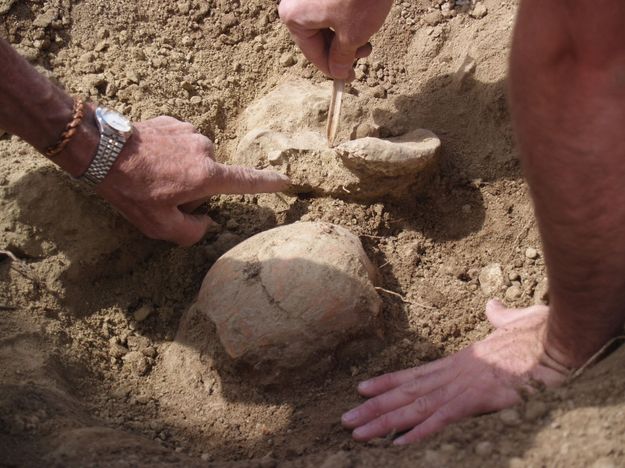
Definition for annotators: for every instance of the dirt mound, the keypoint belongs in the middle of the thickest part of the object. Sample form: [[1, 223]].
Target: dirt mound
[[89, 311]]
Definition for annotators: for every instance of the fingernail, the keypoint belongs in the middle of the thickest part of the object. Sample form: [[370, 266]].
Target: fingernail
[[399, 441], [363, 386], [358, 433], [349, 417]]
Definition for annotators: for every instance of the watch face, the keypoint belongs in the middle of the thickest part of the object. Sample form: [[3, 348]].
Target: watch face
[[116, 120]]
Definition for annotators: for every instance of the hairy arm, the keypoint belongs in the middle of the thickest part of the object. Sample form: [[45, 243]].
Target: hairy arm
[[36, 110], [568, 101]]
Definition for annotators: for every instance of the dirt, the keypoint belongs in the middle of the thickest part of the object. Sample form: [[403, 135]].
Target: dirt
[[84, 383]]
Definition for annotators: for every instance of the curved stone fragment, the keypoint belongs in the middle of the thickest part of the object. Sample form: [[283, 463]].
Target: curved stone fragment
[[289, 296], [400, 156]]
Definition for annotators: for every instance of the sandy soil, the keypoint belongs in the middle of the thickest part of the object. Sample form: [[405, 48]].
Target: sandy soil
[[84, 383]]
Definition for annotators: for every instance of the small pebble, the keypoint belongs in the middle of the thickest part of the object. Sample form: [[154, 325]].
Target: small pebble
[[541, 292], [535, 410], [137, 363], [433, 18], [117, 351], [491, 279], [604, 462], [479, 11], [379, 92], [484, 449], [434, 458], [448, 448], [232, 224], [510, 417], [205, 457], [100, 46], [274, 158], [364, 130], [184, 7], [287, 59], [531, 253], [513, 292], [143, 312]]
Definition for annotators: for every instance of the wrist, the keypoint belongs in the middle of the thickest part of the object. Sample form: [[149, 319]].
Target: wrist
[[572, 343], [77, 155]]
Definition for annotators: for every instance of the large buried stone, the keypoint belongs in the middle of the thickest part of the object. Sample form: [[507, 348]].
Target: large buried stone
[[285, 133], [288, 297]]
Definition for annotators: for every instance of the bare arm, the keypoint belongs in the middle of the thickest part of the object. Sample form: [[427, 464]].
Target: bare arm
[[568, 99], [36, 110], [165, 166]]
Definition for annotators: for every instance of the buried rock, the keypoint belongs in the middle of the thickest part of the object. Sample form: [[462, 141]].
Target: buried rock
[[286, 298], [284, 133]]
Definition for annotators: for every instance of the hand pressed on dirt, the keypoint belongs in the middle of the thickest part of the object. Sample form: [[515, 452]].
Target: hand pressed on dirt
[[487, 376], [332, 34], [166, 168]]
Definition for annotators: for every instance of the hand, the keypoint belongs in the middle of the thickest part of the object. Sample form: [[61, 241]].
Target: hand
[[167, 169], [334, 33], [487, 376]]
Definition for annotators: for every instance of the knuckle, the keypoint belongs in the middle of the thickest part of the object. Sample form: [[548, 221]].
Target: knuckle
[[373, 406], [201, 144], [286, 11], [152, 232], [385, 422], [187, 127], [445, 416], [411, 388], [159, 230], [167, 120], [161, 119], [210, 169], [347, 42], [421, 405]]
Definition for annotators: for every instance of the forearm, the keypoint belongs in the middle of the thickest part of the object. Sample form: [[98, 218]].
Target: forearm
[[568, 100], [37, 111]]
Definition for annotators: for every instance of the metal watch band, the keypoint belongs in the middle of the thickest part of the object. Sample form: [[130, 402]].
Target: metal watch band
[[108, 150]]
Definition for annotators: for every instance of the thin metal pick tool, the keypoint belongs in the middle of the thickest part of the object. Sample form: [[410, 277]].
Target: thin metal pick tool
[[334, 114]]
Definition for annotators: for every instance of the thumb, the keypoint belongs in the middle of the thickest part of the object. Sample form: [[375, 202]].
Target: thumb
[[341, 59], [501, 316], [187, 229]]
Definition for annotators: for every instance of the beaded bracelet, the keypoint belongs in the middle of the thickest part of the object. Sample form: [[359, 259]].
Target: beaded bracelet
[[70, 130]]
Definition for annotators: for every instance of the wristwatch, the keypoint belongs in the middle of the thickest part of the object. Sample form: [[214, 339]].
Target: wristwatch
[[115, 130]]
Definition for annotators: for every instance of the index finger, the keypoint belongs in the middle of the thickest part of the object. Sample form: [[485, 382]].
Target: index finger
[[223, 179]]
